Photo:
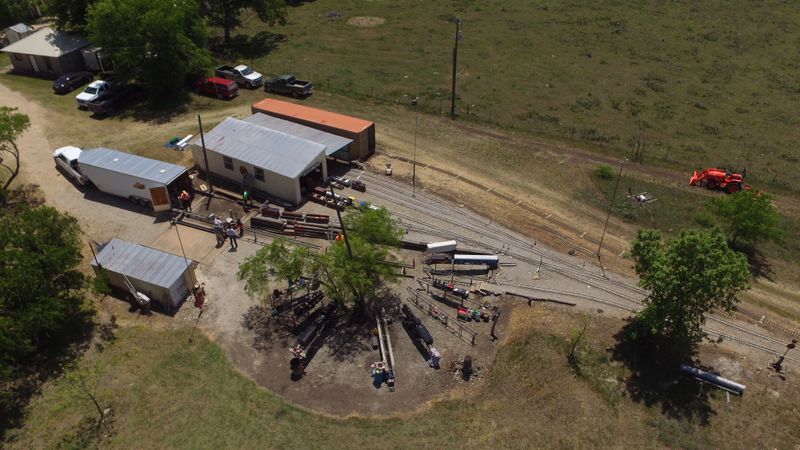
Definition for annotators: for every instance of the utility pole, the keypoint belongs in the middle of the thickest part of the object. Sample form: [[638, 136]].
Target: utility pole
[[205, 156], [455, 63], [341, 222], [608, 216], [414, 164]]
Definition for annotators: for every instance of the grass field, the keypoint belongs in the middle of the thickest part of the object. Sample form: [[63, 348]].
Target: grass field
[[168, 393], [703, 83]]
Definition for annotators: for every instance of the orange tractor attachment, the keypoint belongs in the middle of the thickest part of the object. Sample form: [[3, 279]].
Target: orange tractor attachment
[[719, 179]]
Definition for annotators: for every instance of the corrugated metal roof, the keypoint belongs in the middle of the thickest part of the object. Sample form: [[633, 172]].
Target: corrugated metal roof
[[133, 165], [331, 119], [48, 43], [20, 28], [141, 263], [332, 142], [271, 150]]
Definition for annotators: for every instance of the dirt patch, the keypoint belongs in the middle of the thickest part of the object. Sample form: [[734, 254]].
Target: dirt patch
[[365, 21]]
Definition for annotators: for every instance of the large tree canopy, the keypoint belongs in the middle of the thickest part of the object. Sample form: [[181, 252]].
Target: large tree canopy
[[375, 226], [156, 42], [749, 216], [687, 276], [40, 286], [227, 13], [12, 124], [69, 14], [272, 264]]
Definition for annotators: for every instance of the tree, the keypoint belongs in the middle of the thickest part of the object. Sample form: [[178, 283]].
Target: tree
[[227, 13], [272, 263], [375, 226], [748, 215], [155, 42], [353, 280], [86, 381], [687, 277], [40, 285], [12, 124], [69, 14], [13, 11]]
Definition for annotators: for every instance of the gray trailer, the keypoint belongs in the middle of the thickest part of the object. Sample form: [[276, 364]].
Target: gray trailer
[[141, 180]]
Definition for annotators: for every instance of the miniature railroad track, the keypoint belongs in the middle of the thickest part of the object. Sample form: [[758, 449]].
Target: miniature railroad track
[[518, 248]]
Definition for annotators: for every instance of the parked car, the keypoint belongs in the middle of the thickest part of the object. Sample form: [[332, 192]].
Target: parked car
[[115, 99], [218, 87], [342, 181], [67, 160], [243, 75], [70, 81], [94, 90], [289, 85]]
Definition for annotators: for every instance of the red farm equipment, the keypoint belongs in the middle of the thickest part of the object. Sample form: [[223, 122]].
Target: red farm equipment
[[719, 180]]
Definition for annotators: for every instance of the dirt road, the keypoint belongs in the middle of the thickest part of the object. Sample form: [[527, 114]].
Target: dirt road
[[98, 222]]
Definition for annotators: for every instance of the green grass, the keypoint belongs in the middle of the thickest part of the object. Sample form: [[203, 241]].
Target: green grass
[[168, 393], [705, 84]]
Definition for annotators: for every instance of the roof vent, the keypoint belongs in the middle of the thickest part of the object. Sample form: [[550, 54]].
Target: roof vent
[[162, 171], [115, 159]]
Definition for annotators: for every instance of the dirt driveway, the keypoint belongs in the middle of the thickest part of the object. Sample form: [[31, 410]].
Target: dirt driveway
[[99, 222]]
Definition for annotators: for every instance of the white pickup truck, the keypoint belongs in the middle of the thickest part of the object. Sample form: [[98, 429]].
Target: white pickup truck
[[92, 92], [243, 75], [67, 160]]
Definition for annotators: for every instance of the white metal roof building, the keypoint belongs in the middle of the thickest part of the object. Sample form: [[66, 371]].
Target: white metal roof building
[[266, 160], [332, 142], [129, 164], [47, 51], [165, 278]]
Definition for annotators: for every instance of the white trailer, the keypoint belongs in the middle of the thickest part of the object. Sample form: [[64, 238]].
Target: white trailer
[[442, 247], [141, 180]]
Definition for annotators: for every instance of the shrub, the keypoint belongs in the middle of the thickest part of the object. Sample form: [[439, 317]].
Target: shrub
[[604, 172]]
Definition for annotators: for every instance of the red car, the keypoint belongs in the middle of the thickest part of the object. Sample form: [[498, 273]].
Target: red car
[[218, 87]]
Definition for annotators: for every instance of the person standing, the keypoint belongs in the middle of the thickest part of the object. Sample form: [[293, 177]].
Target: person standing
[[186, 200], [495, 317], [246, 200], [232, 235], [219, 232]]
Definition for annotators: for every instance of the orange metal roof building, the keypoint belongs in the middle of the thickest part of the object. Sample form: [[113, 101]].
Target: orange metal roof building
[[331, 119]]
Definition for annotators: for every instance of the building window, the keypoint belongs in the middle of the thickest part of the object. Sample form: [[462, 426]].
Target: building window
[[228, 162], [48, 65], [17, 56], [259, 173]]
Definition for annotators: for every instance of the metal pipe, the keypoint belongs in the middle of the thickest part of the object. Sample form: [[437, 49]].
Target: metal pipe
[[715, 380]]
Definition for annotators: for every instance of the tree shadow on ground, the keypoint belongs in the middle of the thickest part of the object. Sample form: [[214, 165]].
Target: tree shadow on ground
[[160, 110], [351, 336], [655, 377], [246, 46], [47, 364], [759, 266], [22, 195]]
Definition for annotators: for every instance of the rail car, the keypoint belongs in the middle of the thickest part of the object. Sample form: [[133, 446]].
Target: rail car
[[491, 261], [442, 247]]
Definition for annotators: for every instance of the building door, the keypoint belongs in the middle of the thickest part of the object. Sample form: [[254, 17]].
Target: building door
[[33, 63], [160, 198]]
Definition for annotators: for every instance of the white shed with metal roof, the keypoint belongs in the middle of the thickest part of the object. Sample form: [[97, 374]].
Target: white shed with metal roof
[[262, 160], [165, 278], [47, 51]]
